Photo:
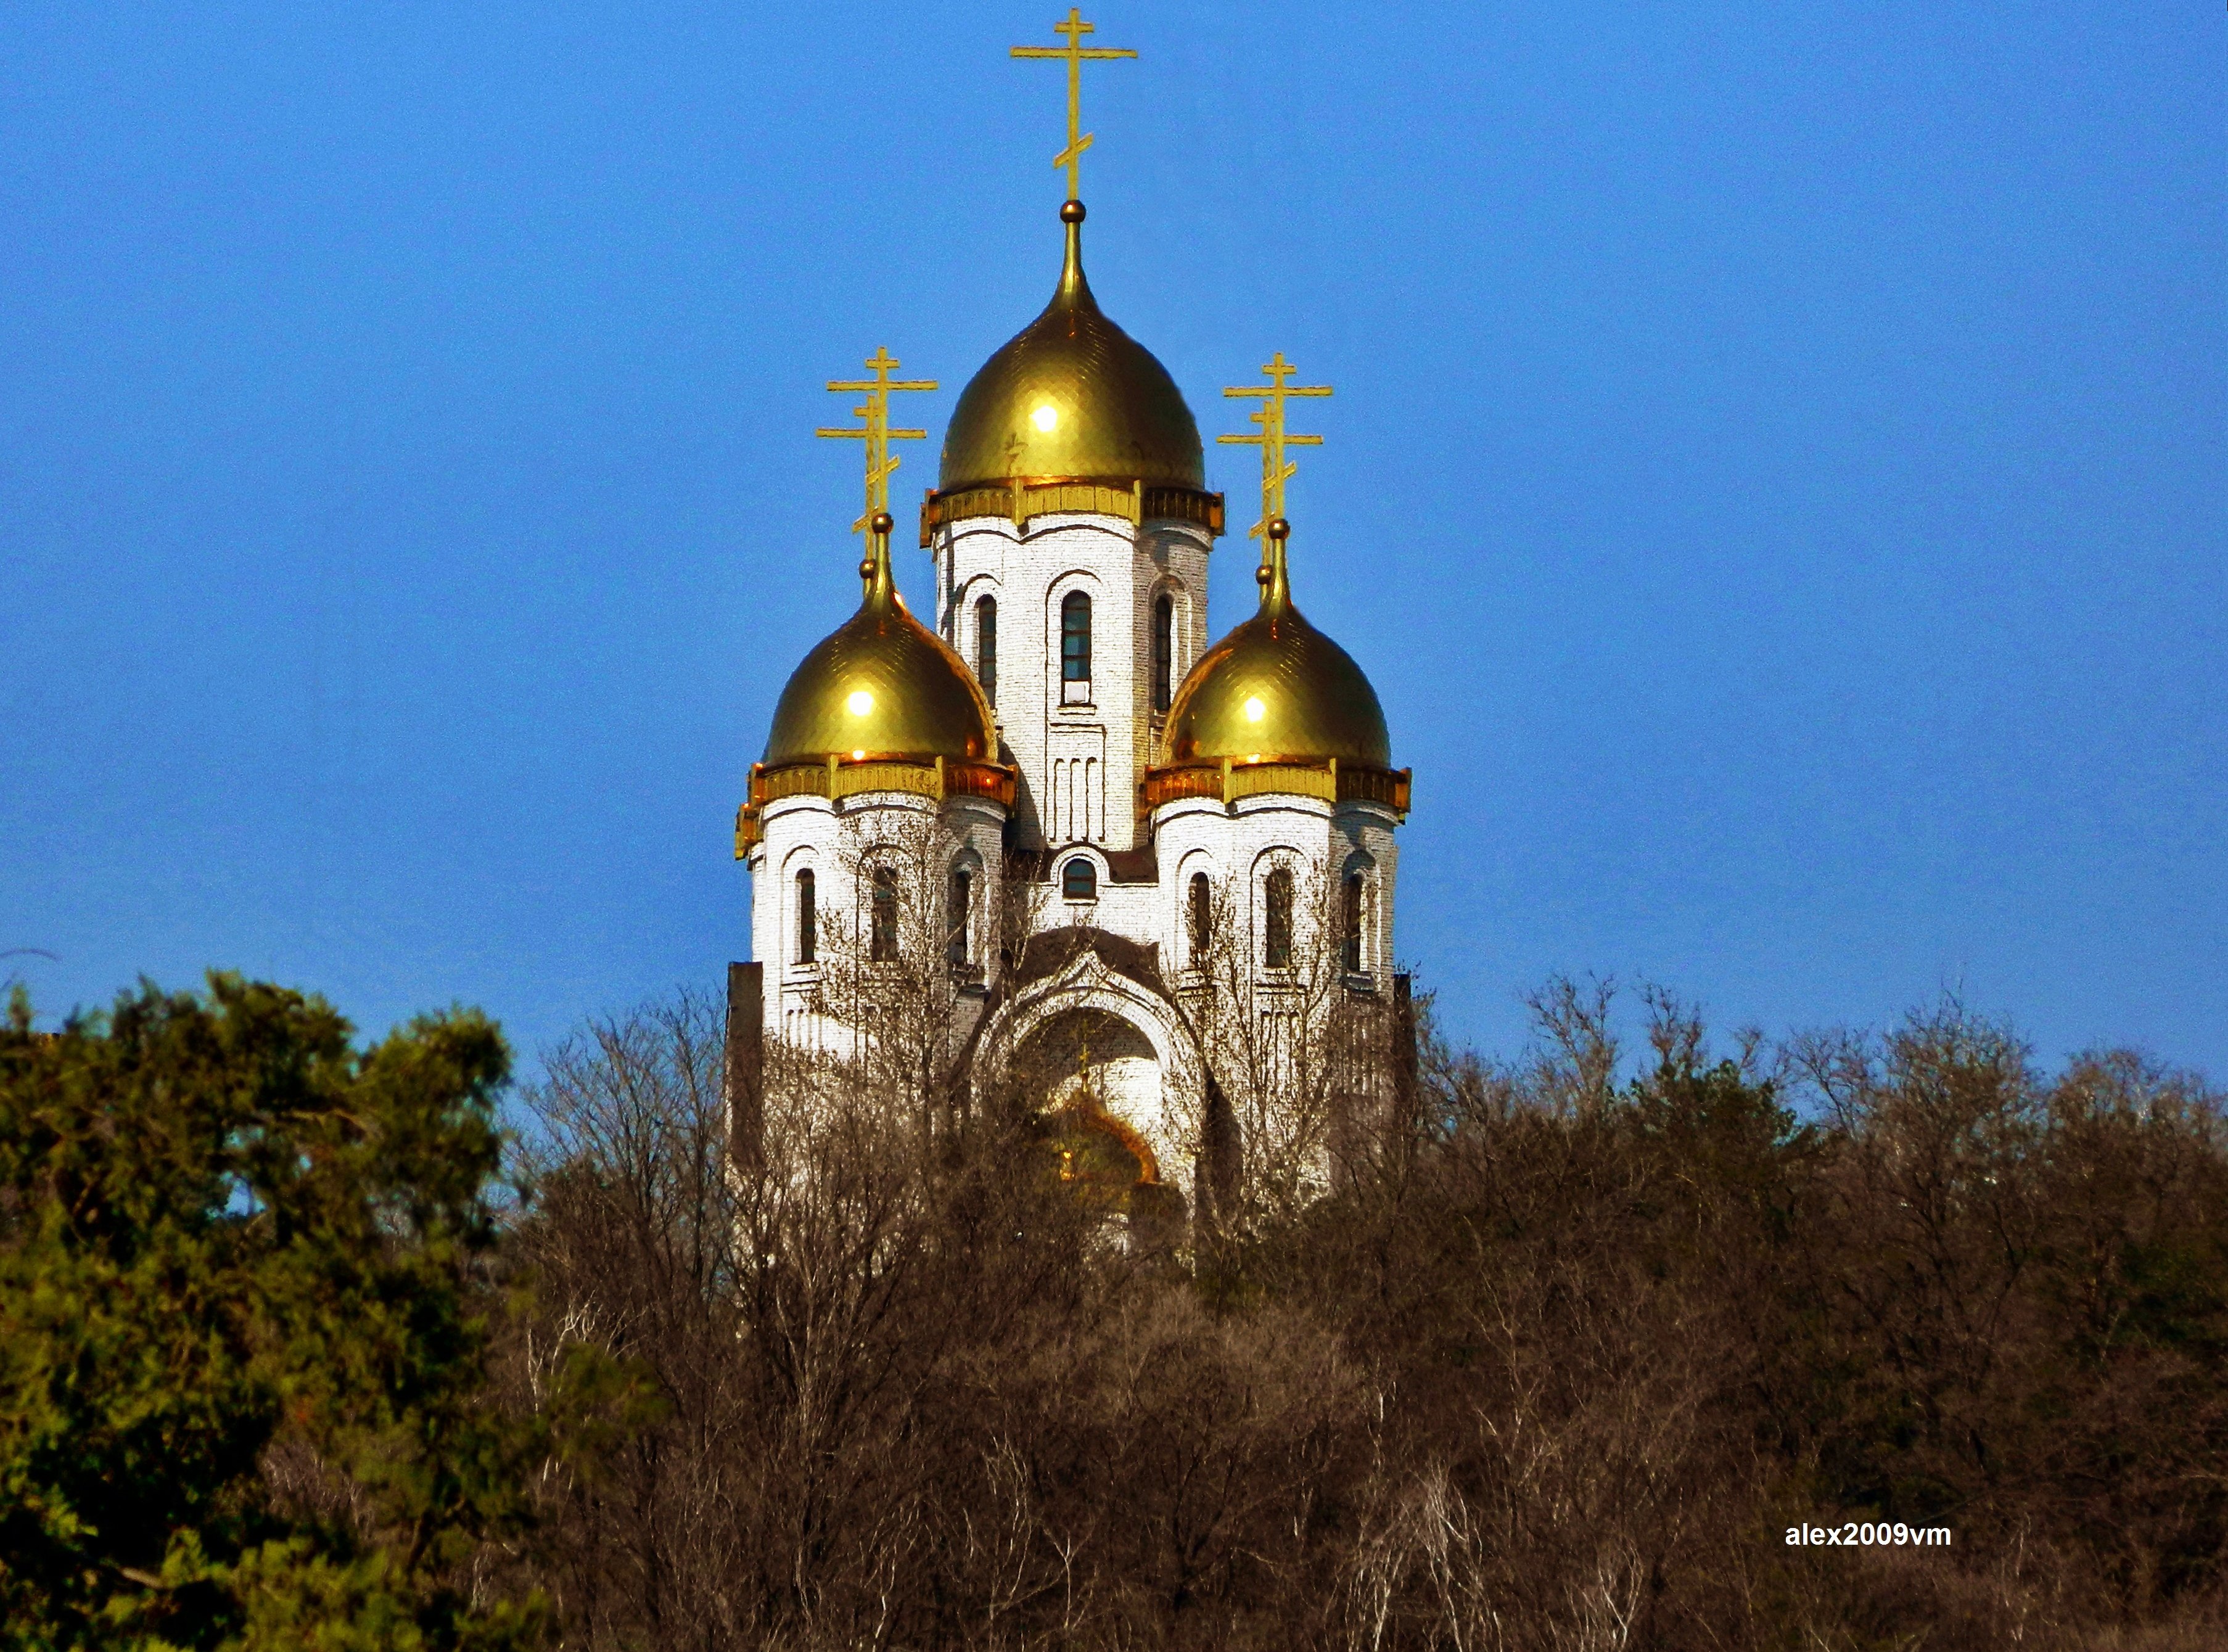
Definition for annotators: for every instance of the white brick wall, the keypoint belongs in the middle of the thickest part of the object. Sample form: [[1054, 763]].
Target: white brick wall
[[1199, 834], [1081, 763], [811, 834]]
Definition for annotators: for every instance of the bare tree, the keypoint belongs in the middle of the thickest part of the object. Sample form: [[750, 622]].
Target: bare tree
[[1559, 1376], [907, 968], [1300, 1055]]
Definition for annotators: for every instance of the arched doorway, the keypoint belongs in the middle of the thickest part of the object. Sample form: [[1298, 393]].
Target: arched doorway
[[1088, 1022], [1100, 1078]]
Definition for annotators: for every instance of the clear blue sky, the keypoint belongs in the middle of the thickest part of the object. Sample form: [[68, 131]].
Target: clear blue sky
[[1776, 481]]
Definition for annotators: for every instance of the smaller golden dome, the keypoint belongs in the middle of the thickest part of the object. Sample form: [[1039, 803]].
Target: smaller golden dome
[[1277, 689], [882, 685], [1072, 397]]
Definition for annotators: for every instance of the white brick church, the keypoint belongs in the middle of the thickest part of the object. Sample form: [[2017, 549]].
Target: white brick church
[[1127, 817]]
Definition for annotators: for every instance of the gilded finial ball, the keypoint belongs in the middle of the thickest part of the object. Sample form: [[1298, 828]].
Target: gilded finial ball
[[867, 568], [1071, 212], [1261, 575], [883, 521], [1279, 529]]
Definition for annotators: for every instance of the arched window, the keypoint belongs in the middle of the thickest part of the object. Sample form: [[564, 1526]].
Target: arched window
[[882, 927], [963, 894], [1352, 915], [1075, 637], [1078, 879], [808, 918], [1164, 649], [986, 646], [1202, 919], [1277, 920]]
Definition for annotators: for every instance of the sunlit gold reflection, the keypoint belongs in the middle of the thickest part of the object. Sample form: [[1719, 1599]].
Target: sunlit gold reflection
[[1277, 688], [1072, 396]]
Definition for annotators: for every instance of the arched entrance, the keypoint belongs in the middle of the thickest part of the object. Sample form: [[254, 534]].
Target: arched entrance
[[1101, 1054], [1100, 1078], [1090, 1063]]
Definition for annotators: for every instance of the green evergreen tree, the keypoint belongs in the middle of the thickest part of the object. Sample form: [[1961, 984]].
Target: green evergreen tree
[[245, 1294]]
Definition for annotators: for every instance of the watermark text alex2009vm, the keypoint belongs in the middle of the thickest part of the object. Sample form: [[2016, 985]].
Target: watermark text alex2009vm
[[1869, 1534]]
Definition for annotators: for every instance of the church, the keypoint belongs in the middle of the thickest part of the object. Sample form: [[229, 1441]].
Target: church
[[1145, 872]]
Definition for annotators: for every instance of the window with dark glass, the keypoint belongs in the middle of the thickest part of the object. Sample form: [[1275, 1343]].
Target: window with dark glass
[[1277, 925], [808, 918], [1075, 637], [986, 646], [1202, 919], [882, 923], [1078, 880], [1164, 649], [963, 890], [1353, 915]]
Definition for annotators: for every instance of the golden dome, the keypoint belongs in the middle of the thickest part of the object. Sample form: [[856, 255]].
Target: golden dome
[[883, 685], [1072, 397], [1277, 688]]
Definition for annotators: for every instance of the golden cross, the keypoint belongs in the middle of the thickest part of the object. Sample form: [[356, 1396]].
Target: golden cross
[[1075, 51], [1274, 437], [876, 429]]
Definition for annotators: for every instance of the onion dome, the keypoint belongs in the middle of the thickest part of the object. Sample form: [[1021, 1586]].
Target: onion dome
[[882, 685], [1072, 397], [1277, 689]]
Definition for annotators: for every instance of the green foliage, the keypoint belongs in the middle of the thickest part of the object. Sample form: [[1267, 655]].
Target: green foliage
[[243, 1340]]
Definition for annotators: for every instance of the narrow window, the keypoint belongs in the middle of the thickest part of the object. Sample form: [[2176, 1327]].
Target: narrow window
[[1075, 637], [1202, 919], [882, 930], [1353, 915], [808, 920], [986, 646], [1277, 929], [1164, 648], [1078, 880], [963, 890]]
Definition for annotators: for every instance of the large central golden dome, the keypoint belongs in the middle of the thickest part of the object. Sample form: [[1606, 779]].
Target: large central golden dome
[[1275, 690], [1072, 397], [882, 685]]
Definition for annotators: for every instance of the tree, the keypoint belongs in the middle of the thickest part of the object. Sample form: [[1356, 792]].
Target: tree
[[905, 963], [245, 1293], [1302, 1063], [1560, 1372], [2030, 1296], [913, 1399]]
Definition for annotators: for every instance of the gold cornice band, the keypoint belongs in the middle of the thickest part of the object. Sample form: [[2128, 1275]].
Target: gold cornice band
[[1018, 501], [1227, 781], [840, 776]]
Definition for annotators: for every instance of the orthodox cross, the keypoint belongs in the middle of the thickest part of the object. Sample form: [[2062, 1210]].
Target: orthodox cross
[[1274, 437], [876, 430], [1075, 52]]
